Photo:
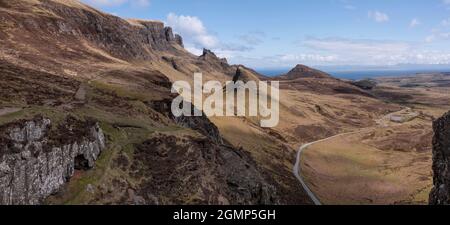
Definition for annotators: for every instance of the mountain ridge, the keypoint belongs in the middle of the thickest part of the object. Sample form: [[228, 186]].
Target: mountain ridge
[[302, 71]]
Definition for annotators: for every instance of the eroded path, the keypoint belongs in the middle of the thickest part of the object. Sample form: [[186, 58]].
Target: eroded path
[[6, 111]]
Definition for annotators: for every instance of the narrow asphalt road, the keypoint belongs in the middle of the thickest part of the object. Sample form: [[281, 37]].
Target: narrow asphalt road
[[297, 167]]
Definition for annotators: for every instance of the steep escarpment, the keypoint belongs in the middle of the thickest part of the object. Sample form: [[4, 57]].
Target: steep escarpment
[[66, 33], [37, 158], [440, 195]]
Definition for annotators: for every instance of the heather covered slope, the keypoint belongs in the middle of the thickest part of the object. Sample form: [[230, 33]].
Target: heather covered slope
[[62, 58]]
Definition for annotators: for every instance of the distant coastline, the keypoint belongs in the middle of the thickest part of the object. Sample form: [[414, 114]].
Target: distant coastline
[[358, 74]]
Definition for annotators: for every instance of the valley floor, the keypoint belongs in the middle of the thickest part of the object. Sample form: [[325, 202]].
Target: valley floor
[[389, 163], [343, 170]]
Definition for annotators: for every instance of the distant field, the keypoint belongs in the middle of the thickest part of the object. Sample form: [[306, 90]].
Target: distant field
[[356, 75]]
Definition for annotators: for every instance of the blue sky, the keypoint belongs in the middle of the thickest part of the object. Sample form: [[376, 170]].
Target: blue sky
[[278, 34]]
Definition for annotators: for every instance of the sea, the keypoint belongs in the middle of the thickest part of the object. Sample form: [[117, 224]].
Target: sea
[[358, 74]]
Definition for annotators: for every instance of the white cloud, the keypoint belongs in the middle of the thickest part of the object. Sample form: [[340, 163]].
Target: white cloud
[[445, 22], [345, 51], [194, 50], [342, 51], [430, 38], [350, 7], [377, 16], [196, 36], [253, 38], [446, 4], [415, 22], [437, 36], [376, 52], [428, 57], [358, 46], [411, 56], [284, 60], [112, 3], [441, 32], [192, 30], [302, 58], [347, 4], [141, 3]]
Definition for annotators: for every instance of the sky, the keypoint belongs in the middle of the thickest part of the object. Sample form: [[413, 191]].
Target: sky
[[280, 34]]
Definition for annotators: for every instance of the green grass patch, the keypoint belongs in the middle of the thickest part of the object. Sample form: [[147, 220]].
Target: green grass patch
[[29, 113], [121, 91]]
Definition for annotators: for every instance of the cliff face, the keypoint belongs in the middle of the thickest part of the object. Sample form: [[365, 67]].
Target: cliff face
[[36, 161], [66, 31], [440, 194]]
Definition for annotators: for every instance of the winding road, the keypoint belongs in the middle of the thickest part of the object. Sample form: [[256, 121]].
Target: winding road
[[297, 171], [297, 167]]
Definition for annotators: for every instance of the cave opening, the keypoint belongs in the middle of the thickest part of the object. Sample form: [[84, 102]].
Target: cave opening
[[81, 163]]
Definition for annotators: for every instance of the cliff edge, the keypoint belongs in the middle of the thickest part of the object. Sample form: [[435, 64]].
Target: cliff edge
[[440, 194]]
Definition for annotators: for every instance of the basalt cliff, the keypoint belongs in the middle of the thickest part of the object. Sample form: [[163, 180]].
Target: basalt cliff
[[440, 195], [36, 158]]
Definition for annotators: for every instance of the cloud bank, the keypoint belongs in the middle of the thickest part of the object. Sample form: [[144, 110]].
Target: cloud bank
[[377, 16]]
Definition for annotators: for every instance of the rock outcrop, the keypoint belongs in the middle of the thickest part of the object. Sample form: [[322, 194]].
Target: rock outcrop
[[202, 172], [179, 40], [36, 158], [210, 56], [200, 124], [366, 84], [215, 62], [440, 194], [245, 74]]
